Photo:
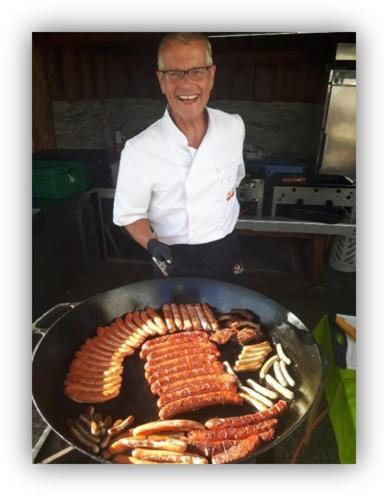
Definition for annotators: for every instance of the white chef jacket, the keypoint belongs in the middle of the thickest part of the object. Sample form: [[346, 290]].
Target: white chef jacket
[[183, 195]]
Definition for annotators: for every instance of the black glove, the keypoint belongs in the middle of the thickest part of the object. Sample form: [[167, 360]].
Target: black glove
[[159, 250]]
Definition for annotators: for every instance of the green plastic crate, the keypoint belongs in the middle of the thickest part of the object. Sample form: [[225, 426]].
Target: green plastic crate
[[57, 179]]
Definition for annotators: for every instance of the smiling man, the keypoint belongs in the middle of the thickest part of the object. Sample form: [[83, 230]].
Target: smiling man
[[176, 188]]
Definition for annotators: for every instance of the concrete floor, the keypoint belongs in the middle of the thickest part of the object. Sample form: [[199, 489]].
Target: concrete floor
[[278, 269]]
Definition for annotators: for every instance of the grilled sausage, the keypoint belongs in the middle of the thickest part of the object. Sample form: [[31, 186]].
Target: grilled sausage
[[174, 338], [157, 319], [164, 456], [193, 389], [168, 317], [253, 418], [232, 432], [191, 403], [205, 324], [176, 425], [205, 377], [155, 365], [182, 348], [151, 377], [137, 329], [120, 427], [210, 317], [177, 316], [86, 443], [87, 382], [163, 384], [243, 449], [193, 317], [156, 360], [90, 397], [155, 442], [187, 324], [139, 322], [149, 322]]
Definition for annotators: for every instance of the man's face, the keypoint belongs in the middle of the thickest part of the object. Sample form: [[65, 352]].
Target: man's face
[[187, 98]]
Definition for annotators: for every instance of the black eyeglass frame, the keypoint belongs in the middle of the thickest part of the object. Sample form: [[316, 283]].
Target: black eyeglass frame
[[181, 71]]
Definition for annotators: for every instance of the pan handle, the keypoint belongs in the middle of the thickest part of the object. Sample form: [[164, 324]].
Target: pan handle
[[43, 323]]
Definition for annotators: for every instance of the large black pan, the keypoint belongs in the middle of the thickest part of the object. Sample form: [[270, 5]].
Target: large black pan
[[55, 351]]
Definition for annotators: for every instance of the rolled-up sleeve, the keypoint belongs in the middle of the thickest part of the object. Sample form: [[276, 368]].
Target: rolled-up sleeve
[[133, 191]]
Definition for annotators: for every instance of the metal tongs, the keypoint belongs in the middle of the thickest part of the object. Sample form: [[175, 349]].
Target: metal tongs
[[162, 266]]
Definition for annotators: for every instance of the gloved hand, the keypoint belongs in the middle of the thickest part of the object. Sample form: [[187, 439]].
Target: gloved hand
[[159, 250]]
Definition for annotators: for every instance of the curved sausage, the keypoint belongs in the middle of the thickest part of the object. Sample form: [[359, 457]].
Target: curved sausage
[[139, 322], [150, 323], [137, 329], [153, 314], [154, 359], [191, 403]]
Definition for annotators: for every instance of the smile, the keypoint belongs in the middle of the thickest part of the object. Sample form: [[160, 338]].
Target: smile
[[188, 98]]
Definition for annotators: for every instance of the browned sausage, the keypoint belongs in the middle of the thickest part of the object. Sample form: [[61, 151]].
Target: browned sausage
[[174, 338], [89, 397], [193, 389], [138, 330], [191, 403], [177, 359], [200, 375], [232, 432], [177, 316], [168, 317], [205, 324], [185, 348], [187, 324], [210, 317], [181, 367], [242, 449], [194, 317], [164, 358], [157, 319], [253, 418], [149, 322], [189, 371], [136, 318], [164, 456]]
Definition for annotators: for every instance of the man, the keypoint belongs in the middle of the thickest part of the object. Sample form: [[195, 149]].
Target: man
[[176, 188]]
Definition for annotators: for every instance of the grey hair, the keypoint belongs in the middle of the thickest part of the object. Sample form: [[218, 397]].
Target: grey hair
[[184, 38]]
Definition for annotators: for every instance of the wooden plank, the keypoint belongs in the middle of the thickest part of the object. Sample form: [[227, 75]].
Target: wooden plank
[[263, 84], [87, 76], [43, 132], [101, 75], [71, 73]]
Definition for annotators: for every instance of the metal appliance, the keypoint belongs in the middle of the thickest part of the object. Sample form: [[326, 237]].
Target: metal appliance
[[337, 150], [250, 194]]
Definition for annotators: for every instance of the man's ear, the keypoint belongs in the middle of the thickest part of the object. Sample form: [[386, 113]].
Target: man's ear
[[161, 81], [212, 71]]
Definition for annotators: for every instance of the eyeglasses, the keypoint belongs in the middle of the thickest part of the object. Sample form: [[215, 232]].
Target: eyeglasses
[[195, 74]]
